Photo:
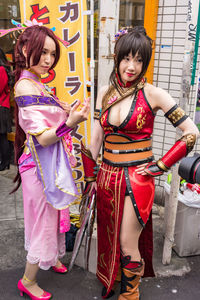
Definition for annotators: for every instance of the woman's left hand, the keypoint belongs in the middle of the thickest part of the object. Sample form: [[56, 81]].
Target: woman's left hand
[[140, 169], [77, 116]]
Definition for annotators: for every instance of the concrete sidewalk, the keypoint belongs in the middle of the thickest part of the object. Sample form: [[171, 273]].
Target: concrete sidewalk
[[180, 280]]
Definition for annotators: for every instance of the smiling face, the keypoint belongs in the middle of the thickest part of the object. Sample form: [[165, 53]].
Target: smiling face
[[130, 67], [47, 57]]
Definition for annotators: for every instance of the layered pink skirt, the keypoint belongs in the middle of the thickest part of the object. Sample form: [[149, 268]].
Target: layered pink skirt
[[43, 240]]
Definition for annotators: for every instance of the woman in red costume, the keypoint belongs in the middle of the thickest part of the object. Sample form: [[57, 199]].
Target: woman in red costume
[[125, 183]]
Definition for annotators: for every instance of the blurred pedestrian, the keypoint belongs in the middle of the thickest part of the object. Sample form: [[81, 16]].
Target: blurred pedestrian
[[5, 116]]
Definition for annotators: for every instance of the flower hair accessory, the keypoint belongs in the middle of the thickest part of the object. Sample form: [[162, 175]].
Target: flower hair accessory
[[29, 23], [23, 26], [120, 33]]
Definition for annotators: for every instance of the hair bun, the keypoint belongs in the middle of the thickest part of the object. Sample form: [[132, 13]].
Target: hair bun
[[140, 29]]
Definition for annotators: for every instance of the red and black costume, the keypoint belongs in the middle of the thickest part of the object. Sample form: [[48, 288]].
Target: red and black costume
[[125, 147]]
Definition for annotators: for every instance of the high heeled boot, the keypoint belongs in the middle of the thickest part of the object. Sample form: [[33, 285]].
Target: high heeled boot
[[112, 292], [130, 280]]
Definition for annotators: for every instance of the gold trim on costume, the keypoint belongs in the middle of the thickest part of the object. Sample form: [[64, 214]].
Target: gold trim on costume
[[87, 152], [25, 103], [141, 118], [97, 114], [38, 133], [162, 166], [114, 218], [90, 179], [115, 93], [61, 189], [190, 140], [34, 152], [176, 115], [121, 94]]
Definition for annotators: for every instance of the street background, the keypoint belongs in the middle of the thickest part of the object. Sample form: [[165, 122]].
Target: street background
[[180, 280]]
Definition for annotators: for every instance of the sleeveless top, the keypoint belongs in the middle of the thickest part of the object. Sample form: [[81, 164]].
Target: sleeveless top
[[139, 122], [130, 143]]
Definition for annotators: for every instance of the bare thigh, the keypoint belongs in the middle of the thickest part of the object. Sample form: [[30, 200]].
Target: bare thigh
[[130, 231]]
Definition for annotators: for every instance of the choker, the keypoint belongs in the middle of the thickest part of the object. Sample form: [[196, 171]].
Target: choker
[[127, 85]]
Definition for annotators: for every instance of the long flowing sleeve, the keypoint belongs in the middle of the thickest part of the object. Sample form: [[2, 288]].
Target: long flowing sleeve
[[53, 168]]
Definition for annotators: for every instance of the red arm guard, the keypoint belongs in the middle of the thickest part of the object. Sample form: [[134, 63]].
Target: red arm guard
[[180, 149], [88, 164]]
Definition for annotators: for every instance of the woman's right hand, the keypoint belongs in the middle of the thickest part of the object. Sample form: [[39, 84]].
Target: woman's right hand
[[78, 116]]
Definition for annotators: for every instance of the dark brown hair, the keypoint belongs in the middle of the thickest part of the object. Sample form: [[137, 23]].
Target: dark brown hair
[[134, 41], [33, 38]]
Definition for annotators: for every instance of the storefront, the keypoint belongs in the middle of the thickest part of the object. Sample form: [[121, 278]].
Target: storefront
[[9, 9], [131, 14]]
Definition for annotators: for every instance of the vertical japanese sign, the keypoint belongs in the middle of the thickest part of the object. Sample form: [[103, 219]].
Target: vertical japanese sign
[[192, 28], [70, 76]]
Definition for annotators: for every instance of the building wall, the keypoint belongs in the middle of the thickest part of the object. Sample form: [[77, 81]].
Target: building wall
[[169, 51]]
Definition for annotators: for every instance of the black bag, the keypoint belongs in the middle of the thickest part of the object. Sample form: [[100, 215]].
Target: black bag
[[70, 237]]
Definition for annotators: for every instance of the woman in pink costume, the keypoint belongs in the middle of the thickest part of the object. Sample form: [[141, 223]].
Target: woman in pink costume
[[125, 113], [42, 147]]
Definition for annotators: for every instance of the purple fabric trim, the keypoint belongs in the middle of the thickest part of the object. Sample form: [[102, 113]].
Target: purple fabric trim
[[23, 101], [56, 176], [63, 129]]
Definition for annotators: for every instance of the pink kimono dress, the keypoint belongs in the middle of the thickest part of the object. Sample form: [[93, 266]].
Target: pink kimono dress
[[47, 183]]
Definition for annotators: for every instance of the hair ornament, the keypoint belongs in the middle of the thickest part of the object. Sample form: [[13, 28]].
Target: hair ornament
[[120, 33], [23, 26]]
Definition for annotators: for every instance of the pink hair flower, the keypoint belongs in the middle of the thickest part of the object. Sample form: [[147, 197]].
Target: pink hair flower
[[29, 23], [113, 99]]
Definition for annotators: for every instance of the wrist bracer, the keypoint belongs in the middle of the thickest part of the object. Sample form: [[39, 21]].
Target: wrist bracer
[[63, 129], [180, 149], [89, 164]]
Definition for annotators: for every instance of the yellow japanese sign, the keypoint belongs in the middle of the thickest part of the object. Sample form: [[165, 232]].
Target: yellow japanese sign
[[69, 79]]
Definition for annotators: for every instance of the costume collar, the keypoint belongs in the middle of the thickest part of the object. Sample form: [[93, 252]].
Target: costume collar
[[127, 85], [30, 74], [114, 95]]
